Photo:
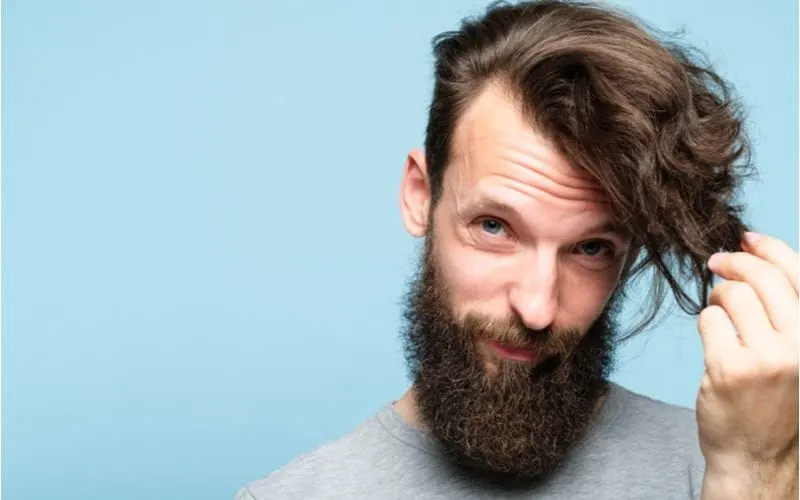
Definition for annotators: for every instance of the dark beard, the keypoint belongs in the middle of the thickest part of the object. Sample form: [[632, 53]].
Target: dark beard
[[519, 422]]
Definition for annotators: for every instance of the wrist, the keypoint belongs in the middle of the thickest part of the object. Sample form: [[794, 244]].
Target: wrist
[[725, 483], [732, 478]]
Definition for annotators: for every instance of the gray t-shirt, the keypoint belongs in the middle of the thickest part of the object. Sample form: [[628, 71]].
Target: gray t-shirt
[[638, 448]]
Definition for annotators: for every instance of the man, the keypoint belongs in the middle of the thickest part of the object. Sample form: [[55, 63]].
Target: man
[[567, 152]]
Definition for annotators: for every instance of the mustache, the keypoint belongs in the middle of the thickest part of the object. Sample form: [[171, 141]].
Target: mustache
[[512, 332]]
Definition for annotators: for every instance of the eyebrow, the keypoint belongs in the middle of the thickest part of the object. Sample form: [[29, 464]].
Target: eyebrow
[[606, 227], [493, 205]]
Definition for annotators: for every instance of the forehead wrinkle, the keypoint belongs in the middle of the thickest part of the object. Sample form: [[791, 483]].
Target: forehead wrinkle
[[499, 197], [529, 161], [536, 157], [535, 154], [494, 126], [493, 144], [546, 188]]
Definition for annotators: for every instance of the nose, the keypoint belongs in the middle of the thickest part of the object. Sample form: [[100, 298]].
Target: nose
[[534, 294]]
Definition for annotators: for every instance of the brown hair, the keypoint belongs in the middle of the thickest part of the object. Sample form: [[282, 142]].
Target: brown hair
[[646, 118]]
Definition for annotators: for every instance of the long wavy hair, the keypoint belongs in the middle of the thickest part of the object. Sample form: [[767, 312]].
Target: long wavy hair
[[642, 114]]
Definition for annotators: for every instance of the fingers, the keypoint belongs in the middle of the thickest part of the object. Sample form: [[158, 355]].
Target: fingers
[[775, 251], [772, 286], [720, 344], [744, 310]]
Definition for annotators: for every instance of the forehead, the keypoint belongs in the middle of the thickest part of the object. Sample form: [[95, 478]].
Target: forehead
[[496, 150]]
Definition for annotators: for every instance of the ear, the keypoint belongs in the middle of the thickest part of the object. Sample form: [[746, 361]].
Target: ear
[[415, 194]]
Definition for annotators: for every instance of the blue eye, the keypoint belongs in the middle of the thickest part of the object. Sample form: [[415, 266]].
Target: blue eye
[[492, 226], [595, 248]]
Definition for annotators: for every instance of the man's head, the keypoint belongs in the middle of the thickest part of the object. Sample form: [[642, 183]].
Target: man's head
[[563, 141]]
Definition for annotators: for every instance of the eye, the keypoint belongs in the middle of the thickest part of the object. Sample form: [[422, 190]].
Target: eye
[[596, 248], [492, 226]]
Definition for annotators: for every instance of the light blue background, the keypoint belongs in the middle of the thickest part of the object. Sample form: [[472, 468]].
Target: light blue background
[[202, 250]]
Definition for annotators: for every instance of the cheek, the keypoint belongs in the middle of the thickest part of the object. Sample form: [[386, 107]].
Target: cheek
[[474, 277], [583, 296]]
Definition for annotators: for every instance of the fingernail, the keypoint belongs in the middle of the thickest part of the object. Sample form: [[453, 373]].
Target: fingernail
[[751, 238], [715, 259]]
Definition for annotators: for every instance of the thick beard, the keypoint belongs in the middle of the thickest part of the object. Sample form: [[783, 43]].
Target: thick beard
[[515, 423]]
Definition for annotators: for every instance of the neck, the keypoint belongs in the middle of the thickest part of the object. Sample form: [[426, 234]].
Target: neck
[[407, 408]]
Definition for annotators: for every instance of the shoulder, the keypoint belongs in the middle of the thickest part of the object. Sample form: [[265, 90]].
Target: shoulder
[[666, 421], [651, 428], [640, 447], [316, 474]]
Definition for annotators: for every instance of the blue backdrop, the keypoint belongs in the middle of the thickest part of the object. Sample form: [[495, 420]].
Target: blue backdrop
[[202, 249]]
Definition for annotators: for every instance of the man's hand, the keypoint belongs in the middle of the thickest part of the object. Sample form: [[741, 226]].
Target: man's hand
[[747, 406]]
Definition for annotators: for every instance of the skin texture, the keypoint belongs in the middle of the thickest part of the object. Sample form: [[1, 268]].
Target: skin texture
[[509, 419], [522, 249], [747, 406], [549, 260], [521, 234]]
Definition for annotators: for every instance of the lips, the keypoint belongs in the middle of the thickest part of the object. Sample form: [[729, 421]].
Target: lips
[[527, 355]]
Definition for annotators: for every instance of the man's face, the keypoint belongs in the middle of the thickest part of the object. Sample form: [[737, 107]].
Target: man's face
[[510, 318]]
